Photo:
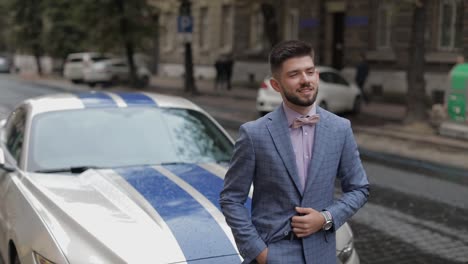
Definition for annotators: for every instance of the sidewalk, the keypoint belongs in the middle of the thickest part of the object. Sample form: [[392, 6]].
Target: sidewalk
[[379, 131]]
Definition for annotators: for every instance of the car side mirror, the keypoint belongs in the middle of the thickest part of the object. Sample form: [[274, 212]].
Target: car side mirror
[[3, 164]]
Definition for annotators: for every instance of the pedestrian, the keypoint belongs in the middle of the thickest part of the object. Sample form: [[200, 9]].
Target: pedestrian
[[229, 65], [292, 157], [220, 72], [362, 71]]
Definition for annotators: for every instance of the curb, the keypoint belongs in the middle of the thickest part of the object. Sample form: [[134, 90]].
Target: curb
[[450, 173]]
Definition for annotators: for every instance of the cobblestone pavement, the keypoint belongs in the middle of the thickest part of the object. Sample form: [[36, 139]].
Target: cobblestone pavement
[[400, 226]]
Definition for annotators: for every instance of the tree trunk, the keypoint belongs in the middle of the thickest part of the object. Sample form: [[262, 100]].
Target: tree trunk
[[37, 57], [128, 42], [415, 75]]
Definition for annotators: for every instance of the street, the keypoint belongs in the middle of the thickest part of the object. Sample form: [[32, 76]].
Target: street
[[411, 217]]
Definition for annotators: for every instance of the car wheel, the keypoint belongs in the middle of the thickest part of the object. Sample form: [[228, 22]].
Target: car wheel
[[323, 105], [357, 105], [144, 81], [16, 260]]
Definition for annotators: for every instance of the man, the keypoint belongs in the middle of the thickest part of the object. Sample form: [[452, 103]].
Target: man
[[362, 71], [293, 169]]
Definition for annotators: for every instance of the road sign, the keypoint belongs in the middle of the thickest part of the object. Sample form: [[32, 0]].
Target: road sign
[[184, 24]]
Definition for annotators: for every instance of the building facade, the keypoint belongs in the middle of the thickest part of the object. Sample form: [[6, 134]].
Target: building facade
[[340, 30]]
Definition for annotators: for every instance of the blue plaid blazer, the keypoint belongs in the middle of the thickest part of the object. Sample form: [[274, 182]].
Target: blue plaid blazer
[[264, 156]]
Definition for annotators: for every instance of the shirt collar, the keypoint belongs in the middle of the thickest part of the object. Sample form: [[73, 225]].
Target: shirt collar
[[291, 114]]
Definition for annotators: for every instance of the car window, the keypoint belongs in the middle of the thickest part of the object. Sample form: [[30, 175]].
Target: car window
[[15, 133], [99, 58], [334, 78], [119, 64], [124, 137], [75, 60], [326, 77], [338, 79]]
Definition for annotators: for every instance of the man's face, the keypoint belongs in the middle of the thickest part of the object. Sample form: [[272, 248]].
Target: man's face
[[297, 81]]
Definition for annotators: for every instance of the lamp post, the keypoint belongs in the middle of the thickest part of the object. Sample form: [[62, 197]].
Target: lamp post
[[185, 28]]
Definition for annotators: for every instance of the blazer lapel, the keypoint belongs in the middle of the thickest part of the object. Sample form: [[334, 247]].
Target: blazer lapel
[[320, 146], [279, 131]]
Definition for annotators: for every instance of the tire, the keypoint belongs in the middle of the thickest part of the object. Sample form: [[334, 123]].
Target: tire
[[357, 105], [144, 82], [323, 104]]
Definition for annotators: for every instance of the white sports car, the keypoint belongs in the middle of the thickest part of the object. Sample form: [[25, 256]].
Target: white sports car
[[116, 178]]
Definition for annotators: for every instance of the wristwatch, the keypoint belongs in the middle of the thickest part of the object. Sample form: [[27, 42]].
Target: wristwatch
[[328, 220]]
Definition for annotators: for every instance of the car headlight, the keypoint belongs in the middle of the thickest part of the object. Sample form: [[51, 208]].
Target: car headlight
[[41, 260], [346, 252]]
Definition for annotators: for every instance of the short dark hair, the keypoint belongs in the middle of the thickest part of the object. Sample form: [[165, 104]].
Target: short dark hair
[[286, 50]]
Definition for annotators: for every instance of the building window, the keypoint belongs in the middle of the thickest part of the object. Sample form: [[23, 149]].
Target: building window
[[292, 24], [384, 24], [451, 27], [227, 19], [256, 30], [169, 29], [203, 30]]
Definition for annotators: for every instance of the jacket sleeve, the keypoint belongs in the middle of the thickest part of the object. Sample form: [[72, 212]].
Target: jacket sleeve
[[237, 184], [354, 183]]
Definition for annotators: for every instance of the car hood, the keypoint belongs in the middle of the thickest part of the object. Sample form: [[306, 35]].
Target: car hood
[[160, 214]]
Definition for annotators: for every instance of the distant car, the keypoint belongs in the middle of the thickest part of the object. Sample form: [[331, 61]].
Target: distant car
[[6, 64], [77, 62], [106, 177], [114, 71], [335, 94]]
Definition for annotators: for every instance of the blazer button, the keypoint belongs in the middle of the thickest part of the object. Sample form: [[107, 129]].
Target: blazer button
[[286, 233]]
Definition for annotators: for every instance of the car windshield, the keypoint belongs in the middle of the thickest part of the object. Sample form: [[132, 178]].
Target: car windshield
[[124, 137]]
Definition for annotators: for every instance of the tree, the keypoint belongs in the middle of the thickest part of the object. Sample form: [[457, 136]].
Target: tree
[[415, 73], [27, 27], [63, 30], [119, 25]]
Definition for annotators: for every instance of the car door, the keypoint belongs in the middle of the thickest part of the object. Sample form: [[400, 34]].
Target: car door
[[12, 138], [346, 95], [329, 91], [120, 70], [339, 94]]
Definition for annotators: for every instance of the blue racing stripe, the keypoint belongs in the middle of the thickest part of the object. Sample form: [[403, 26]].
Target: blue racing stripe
[[96, 100], [204, 181], [198, 234], [137, 99]]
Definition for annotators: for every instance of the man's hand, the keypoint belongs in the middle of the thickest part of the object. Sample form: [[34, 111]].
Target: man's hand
[[307, 222], [262, 257]]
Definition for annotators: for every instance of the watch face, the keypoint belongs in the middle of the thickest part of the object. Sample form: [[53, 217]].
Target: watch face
[[327, 225]]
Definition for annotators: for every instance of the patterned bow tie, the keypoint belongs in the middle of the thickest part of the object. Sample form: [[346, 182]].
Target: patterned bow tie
[[306, 120]]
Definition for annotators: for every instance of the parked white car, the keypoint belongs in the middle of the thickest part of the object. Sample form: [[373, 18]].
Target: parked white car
[[6, 64], [336, 94], [114, 71], [77, 62]]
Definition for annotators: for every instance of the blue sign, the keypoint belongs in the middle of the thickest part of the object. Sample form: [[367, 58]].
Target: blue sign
[[357, 21], [309, 23], [184, 24]]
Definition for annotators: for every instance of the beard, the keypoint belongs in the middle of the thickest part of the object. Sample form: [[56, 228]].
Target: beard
[[296, 100]]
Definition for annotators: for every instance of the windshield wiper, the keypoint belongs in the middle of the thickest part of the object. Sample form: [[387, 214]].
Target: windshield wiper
[[77, 169]]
